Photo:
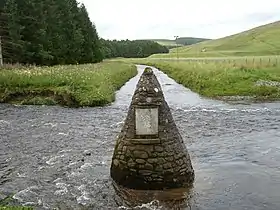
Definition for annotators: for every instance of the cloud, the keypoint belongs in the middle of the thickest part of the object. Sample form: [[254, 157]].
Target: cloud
[[126, 19]]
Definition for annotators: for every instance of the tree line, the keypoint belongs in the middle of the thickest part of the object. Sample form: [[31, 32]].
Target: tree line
[[131, 49], [50, 32]]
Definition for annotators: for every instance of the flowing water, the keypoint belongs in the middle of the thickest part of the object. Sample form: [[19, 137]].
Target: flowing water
[[55, 157]]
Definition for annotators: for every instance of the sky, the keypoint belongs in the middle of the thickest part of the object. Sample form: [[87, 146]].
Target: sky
[[164, 19]]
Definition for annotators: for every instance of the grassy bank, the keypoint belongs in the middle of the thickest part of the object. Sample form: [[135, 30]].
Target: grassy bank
[[70, 85], [223, 80]]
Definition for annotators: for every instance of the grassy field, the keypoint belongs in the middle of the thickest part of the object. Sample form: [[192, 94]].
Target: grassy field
[[263, 40], [234, 60], [226, 79], [70, 85]]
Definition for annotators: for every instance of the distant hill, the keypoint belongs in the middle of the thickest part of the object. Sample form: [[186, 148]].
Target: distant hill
[[165, 42], [190, 40], [262, 40], [181, 41]]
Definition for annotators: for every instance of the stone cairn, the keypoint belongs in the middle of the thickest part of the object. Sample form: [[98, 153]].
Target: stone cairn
[[149, 152]]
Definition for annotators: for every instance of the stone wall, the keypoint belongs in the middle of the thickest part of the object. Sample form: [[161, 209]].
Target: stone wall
[[157, 160]]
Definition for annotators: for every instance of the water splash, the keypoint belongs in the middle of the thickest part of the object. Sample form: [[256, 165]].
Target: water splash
[[153, 205]]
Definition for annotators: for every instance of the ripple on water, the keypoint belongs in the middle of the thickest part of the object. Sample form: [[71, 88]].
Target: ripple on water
[[54, 160], [27, 195], [84, 197], [153, 205], [3, 122], [62, 188]]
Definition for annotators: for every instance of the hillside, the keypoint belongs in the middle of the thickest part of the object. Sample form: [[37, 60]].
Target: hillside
[[181, 41], [263, 40], [165, 42], [190, 40]]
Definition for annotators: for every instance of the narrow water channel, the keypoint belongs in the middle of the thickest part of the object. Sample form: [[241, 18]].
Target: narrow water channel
[[54, 157]]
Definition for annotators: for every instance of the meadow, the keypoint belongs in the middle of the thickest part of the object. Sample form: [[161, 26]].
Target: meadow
[[66, 85], [256, 77]]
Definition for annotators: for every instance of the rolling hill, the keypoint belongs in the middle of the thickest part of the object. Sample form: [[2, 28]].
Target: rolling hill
[[262, 40], [181, 41], [166, 42]]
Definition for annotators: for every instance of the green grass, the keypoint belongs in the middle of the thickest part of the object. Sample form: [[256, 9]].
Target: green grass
[[263, 40], [221, 79], [69, 85]]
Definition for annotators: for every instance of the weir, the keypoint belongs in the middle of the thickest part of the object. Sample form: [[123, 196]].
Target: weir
[[149, 152]]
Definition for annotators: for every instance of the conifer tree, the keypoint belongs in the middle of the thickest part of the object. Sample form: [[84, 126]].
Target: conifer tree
[[48, 32]]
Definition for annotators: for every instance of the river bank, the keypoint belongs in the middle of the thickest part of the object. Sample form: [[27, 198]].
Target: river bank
[[225, 81], [68, 85]]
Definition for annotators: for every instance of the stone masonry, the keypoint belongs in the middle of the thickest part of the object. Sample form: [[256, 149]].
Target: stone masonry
[[149, 152]]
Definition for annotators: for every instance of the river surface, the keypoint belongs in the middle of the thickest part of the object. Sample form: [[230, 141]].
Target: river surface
[[55, 157]]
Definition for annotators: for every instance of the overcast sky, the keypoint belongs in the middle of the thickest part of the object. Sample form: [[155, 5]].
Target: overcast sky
[[144, 19]]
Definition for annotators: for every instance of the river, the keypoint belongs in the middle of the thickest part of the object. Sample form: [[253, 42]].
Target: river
[[55, 157]]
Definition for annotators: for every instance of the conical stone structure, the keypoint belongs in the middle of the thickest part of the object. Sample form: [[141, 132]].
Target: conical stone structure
[[149, 152]]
